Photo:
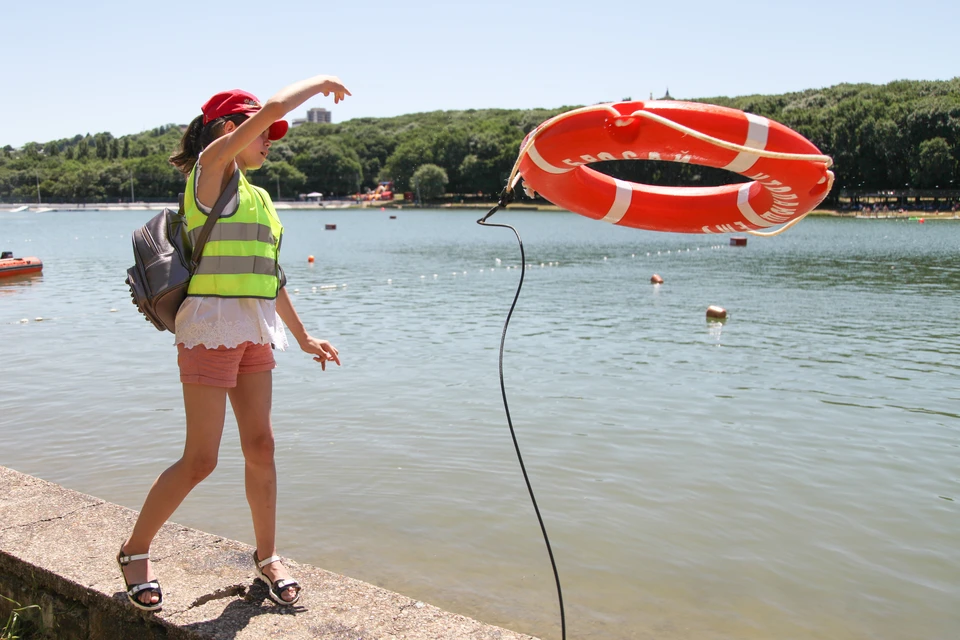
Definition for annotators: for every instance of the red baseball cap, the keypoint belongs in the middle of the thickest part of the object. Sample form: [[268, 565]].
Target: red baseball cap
[[227, 103]]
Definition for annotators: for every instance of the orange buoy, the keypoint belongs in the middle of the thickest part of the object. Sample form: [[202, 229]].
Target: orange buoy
[[656, 279], [716, 313], [309, 258], [789, 176]]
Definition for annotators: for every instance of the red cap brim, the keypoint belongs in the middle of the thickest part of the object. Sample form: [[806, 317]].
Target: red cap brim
[[278, 129]]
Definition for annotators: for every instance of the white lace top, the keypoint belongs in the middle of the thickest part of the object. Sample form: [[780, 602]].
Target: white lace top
[[212, 321]]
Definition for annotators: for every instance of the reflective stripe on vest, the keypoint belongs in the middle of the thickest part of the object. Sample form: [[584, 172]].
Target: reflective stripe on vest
[[243, 231], [236, 265], [240, 256]]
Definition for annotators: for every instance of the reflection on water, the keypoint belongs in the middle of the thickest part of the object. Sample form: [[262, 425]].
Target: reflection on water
[[790, 473], [12, 285]]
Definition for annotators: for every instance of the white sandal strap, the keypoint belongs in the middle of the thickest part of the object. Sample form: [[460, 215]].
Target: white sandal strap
[[128, 559], [282, 585], [269, 560], [137, 588]]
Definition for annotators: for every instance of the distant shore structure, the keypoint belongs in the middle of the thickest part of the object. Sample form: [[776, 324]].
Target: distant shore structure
[[316, 115]]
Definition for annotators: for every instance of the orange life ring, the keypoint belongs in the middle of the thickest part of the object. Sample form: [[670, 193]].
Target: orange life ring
[[789, 176]]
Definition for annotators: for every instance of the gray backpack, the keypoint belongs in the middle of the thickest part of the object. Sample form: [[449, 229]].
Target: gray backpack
[[164, 261]]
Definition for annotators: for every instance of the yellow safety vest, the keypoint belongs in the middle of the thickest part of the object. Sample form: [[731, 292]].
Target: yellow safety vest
[[240, 257]]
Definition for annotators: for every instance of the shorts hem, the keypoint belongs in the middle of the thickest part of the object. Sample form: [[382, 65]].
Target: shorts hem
[[260, 368], [207, 381]]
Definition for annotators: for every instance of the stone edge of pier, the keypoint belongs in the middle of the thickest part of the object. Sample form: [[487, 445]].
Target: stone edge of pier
[[58, 550]]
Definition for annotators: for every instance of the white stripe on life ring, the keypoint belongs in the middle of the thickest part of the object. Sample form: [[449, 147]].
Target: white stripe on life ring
[[757, 134], [543, 164], [620, 203], [743, 203]]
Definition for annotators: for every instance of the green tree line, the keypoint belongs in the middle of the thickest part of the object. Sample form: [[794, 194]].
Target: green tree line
[[904, 134]]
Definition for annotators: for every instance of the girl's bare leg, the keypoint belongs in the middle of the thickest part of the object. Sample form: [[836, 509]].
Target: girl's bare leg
[[205, 408], [251, 400]]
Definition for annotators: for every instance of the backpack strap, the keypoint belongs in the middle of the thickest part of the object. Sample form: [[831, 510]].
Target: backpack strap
[[212, 218]]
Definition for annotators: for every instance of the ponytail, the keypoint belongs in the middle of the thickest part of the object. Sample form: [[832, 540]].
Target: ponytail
[[190, 147], [196, 138]]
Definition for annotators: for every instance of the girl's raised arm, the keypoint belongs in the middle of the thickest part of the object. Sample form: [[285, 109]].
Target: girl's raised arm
[[219, 154]]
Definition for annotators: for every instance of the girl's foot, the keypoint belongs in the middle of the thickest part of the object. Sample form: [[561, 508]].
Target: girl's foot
[[283, 589], [140, 580]]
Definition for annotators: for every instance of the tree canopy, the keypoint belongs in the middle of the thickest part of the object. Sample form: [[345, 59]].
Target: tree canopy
[[904, 134]]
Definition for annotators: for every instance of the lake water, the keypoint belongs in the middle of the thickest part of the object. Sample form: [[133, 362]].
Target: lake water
[[792, 473]]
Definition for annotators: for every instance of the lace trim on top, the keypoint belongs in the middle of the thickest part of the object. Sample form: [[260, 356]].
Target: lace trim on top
[[229, 322]]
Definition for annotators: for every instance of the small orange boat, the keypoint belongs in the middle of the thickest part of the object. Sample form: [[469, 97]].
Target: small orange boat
[[10, 266]]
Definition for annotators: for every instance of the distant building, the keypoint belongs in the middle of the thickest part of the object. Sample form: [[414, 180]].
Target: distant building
[[319, 115], [314, 115]]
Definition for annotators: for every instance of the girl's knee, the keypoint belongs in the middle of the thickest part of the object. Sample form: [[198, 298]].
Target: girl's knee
[[259, 450], [200, 466]]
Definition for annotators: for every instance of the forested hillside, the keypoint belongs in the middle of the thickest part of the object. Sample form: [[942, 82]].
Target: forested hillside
[[905, 134]]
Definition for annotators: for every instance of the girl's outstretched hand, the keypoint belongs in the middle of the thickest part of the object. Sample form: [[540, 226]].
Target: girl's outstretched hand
[[322, 351], [334, 86]]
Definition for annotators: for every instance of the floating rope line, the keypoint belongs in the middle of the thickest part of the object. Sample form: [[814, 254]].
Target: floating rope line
[[505, 199]]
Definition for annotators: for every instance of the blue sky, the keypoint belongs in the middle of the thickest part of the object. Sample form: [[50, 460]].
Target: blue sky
[[124, 67]]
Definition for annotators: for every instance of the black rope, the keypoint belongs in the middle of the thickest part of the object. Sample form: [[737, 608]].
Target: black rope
[[505, 198]]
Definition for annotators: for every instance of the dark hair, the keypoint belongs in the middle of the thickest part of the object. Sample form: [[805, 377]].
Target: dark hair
[[196, 138]]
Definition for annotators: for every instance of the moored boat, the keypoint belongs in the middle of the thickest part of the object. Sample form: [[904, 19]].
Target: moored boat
[[10, 266]]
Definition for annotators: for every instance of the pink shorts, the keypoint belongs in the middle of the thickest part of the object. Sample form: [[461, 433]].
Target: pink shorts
[[220, 367]]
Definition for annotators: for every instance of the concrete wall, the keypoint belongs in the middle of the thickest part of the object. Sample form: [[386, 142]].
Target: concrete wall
[[58, 550]]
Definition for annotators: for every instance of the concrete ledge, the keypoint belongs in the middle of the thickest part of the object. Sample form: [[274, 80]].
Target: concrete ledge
[[58, 549]]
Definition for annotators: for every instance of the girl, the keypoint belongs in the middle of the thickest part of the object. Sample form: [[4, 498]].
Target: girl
[[228, 324]]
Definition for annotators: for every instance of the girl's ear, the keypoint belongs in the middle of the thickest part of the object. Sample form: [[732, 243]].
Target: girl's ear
[[229, 126]]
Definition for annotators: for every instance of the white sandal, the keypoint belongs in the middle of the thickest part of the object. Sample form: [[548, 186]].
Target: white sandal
[[278, 587], [133, 590]]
